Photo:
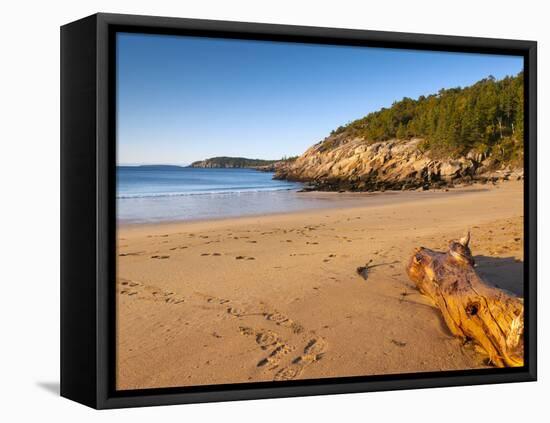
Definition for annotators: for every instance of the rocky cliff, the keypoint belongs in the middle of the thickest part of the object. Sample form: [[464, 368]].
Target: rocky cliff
[[343, 163]]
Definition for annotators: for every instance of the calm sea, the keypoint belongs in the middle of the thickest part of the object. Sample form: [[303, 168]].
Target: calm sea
[[152, 194], [159, 193]]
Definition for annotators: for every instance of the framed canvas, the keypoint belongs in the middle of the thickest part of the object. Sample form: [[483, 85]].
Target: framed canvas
[[258, 211]]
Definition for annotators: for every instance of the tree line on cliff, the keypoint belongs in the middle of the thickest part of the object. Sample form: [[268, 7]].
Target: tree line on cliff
[[486, 117]]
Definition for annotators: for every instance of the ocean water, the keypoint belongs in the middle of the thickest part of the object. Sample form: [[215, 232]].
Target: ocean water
[[162, 193], [151, 194]]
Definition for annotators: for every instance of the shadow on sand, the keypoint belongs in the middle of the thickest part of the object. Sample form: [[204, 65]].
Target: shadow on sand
[[501, 272]]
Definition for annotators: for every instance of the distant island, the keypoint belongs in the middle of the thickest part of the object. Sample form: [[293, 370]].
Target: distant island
[[225, 162], [231, 162], [458, 135]]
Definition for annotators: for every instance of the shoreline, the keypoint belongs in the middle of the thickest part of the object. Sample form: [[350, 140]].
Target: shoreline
[[334, 196], [277, 297]]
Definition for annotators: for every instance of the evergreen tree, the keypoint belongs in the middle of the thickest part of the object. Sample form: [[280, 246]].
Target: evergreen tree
[[486, 116]]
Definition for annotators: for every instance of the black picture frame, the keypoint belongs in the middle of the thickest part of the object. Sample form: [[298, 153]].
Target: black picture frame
[[88, 212]]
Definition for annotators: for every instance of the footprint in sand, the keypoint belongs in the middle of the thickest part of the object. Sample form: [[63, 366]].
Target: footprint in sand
[[277, 349], [235, 311], [264, 338], [160, 257], [288, 373], [398, 343], [220, 301], [313, 351], [148, 293], [127, 287], [283, 320], [134, 253], [276, 356], [268, 340], [276, 317]]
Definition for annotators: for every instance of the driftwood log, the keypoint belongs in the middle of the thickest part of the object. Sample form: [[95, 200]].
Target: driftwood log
[[472, 309]]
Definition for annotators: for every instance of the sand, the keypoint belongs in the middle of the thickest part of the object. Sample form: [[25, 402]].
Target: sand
[[278, 297]]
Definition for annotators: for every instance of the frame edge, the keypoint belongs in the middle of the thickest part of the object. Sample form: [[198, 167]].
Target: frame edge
[[102, 397], [78, 212]]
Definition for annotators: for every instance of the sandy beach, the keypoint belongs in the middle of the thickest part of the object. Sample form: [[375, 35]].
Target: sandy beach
[[277, 297]]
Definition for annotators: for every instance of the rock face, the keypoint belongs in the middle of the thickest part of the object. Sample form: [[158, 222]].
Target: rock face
[[272, 167], [340, 163]]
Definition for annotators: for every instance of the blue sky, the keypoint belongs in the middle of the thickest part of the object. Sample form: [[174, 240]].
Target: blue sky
[[181, 99]]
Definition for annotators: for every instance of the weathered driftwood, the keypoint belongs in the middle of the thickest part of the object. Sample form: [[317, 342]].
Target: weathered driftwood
[[472, 309]]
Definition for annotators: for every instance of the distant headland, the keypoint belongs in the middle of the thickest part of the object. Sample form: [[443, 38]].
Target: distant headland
[[224, 162]]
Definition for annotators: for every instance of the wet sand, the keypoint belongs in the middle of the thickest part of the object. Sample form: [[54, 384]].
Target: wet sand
[[277, 297]]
